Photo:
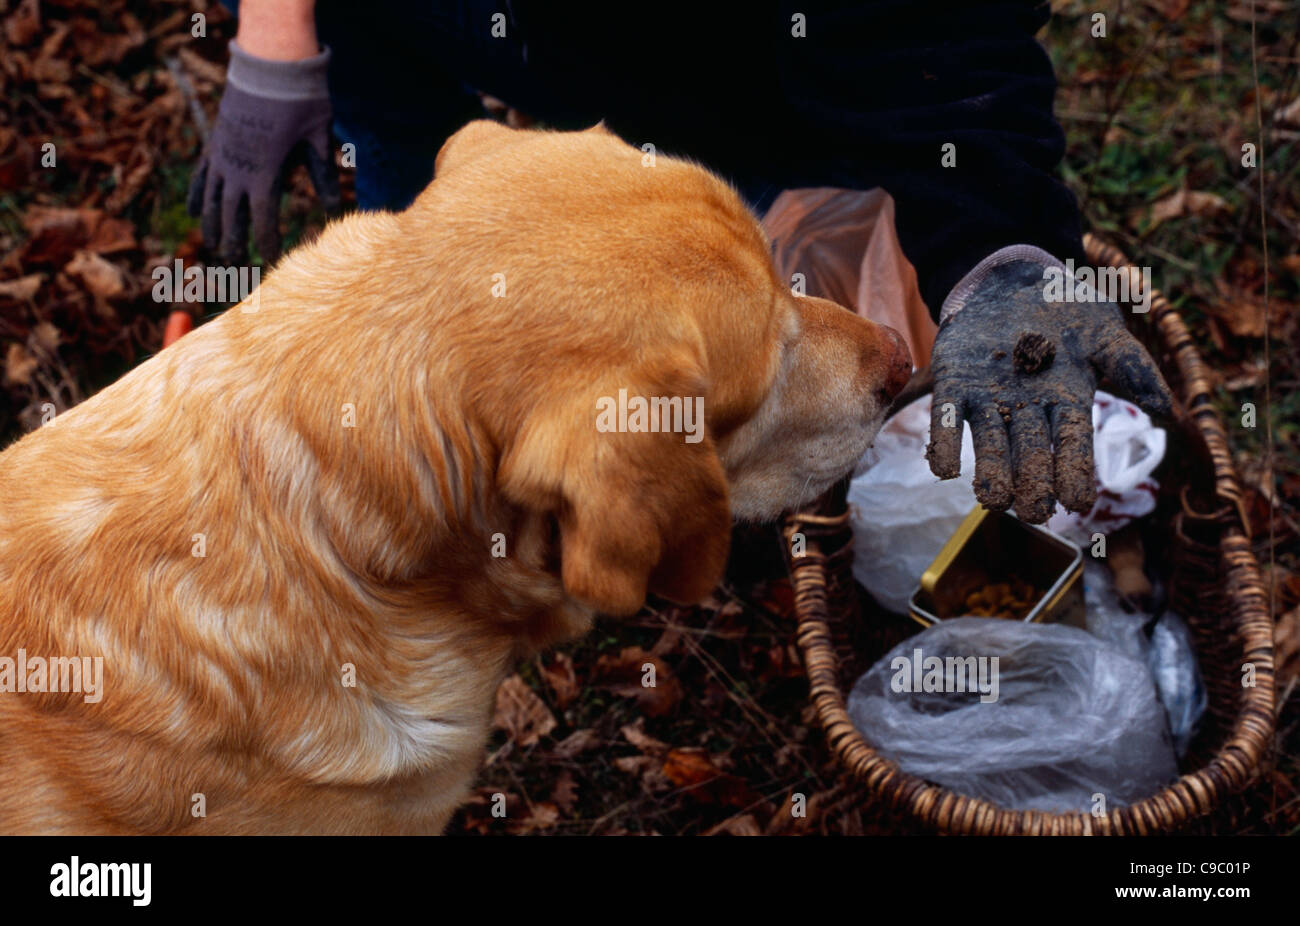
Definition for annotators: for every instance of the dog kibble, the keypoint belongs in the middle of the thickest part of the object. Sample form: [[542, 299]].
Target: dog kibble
[[1013, 600]]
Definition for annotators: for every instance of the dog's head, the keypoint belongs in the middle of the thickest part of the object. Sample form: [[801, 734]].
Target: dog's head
[[647, 376]]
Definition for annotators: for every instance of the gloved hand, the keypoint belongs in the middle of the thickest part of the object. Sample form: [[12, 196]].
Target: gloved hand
[[268, 108], [1022, 370]]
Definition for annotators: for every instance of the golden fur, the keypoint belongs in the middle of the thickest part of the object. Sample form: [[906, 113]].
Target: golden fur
[[370, 546]]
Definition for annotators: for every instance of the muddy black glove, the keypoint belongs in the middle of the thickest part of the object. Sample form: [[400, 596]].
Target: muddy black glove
[[1022, 369], [267, 109]]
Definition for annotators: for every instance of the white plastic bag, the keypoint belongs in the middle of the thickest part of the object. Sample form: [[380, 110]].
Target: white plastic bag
[[1127, 447], [1072, 717], [902, 514]]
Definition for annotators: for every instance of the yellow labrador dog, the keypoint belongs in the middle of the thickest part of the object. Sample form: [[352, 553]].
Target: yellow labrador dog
[[281, 538]]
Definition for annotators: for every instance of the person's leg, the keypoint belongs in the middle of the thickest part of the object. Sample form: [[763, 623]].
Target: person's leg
[[395, 98]]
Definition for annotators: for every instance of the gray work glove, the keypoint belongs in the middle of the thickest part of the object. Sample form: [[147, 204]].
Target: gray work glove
[[1022, 370], [268, 108]]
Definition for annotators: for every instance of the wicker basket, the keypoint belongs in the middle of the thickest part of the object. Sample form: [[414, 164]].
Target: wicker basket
[[1214, 583]]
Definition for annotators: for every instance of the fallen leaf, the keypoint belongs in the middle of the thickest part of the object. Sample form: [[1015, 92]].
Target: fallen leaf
[[540, 816], [780, 597], [1181, 203], [524, 716], [57, 233], [16, 160], [576, 743], [479, 805], [1289, 115], [695, 771], [102, 278], [634, 673], [109, 236], [98, 48], [48, 69], [134, 181], [729, 621], [47, 337], [22, 25], [689, 767], [565, 792], [744, 825], [670, 641], [784, 661], [1248, 377], [1170, 9], [561, 679], [636, 765], [1241, 313], [19, 365], [635, 734], [23, 288], [1257, 11], [201, 67]]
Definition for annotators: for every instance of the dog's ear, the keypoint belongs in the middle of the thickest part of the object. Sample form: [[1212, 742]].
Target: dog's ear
[[471, 141], [637, 511]]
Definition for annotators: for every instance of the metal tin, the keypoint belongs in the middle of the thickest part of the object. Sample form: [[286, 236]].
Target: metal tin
[[992, 546]]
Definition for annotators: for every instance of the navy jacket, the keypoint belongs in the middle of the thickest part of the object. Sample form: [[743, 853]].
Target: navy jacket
[[867, 98]]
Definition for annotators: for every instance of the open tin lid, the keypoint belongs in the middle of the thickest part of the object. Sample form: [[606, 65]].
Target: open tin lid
[[991, 547]]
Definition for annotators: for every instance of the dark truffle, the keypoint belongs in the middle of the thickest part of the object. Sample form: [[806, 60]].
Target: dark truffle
[[1033, 353]]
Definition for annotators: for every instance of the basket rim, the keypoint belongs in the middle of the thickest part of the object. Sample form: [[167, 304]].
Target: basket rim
[[1194, 794]]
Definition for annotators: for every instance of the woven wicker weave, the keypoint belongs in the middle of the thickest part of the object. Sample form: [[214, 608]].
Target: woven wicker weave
[[1214, 582]]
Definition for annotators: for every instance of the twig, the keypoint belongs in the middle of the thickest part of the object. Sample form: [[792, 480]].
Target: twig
[[196, 109], [1268, 342], [115, 85]]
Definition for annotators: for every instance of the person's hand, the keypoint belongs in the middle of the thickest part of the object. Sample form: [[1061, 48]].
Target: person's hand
[[267, 110], [1022, 370]]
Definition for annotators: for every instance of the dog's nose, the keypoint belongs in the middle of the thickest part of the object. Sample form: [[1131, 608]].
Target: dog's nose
[[898, 363]]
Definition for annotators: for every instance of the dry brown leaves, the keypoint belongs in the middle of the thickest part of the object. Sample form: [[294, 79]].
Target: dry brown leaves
[[93, 115], [524, 716], [560, 679], [635, 673], [1170, 9], [1241, 313], [699, 773], [1176, 205]]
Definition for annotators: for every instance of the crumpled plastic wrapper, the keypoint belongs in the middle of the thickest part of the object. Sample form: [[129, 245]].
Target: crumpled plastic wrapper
[[1127, 447], [1163, 643], [845, 245], [902, 514], [1073, 717]]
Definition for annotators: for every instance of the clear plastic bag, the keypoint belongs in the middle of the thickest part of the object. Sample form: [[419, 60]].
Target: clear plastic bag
[[1172, 660], [1164, 644], [1072, 717], [902, 513]]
